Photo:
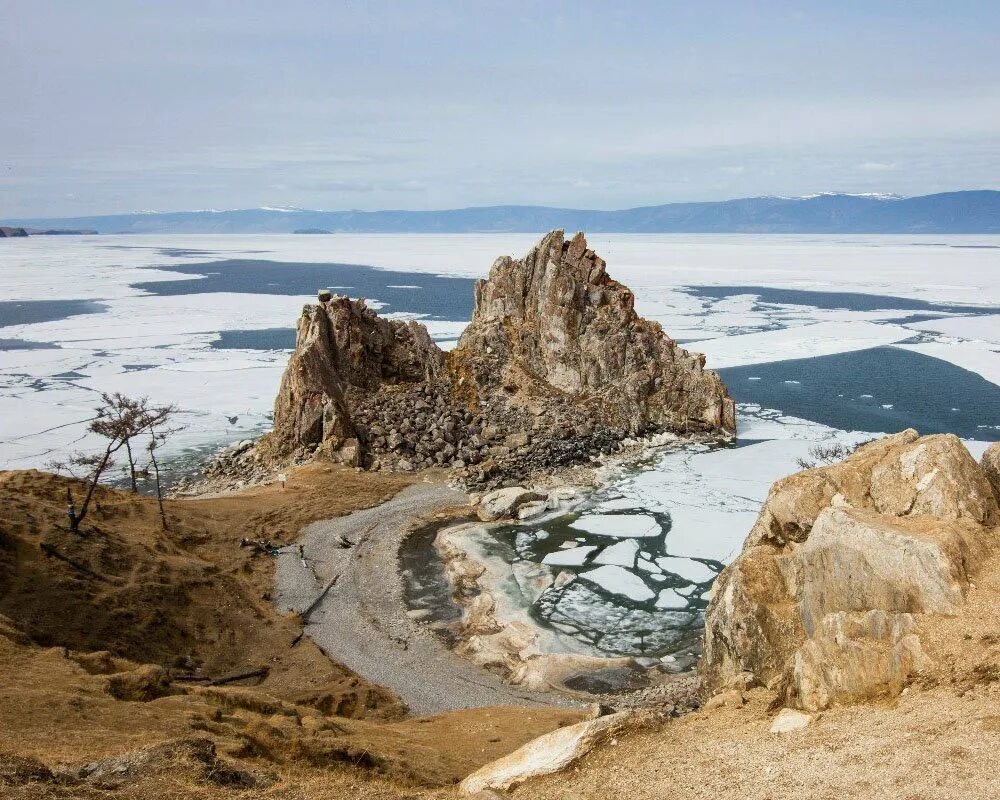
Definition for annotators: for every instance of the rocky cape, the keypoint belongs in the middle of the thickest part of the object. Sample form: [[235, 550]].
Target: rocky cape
[[555, 367], [847, 567]]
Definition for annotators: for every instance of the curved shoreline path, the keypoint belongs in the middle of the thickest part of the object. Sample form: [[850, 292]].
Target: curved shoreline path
[[361, 621]]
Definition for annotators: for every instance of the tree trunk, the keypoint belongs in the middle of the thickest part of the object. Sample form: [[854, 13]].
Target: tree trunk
[[131, 467], [159, 491]]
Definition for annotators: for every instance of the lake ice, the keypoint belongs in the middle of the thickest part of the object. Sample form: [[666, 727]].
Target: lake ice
[[820, 338]]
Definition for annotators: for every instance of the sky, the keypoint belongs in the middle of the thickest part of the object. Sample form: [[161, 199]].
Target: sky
[[111, 107]]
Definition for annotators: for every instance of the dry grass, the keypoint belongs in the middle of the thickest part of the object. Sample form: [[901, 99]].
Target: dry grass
[[89, 644]]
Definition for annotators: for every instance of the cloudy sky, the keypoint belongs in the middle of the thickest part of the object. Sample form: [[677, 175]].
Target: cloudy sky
[[119, 106]]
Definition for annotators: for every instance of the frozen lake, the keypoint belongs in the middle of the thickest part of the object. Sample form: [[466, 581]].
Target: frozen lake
[[819, 338]]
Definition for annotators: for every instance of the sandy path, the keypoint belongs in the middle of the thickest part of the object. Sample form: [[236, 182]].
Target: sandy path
[[362, 621]]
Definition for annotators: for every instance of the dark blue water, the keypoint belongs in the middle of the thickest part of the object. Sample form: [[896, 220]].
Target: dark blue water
[[436, 296], [263, 339], [28, 312], [853, 301], [925, 393], [24, 344]]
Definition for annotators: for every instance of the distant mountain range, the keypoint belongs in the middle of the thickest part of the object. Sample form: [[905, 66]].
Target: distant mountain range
[[948, 212]]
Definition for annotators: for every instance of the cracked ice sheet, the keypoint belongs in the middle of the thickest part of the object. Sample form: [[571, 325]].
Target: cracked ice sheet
[[803, 341], [713, 496], [689, 318]]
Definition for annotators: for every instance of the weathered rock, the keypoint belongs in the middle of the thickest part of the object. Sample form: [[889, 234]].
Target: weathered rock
[[824, 603], [554, 325], [342, 344], [554, 368], [504, 503], [546, 754], [990, 463], [533, 509], [788, 720]]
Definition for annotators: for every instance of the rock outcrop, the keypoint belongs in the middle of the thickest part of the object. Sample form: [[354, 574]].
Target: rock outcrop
[[9, 233], [555, 367], [825, 602], [555, 327], [345, 352]]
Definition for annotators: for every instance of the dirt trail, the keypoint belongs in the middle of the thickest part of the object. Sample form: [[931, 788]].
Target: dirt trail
[[362, 621]]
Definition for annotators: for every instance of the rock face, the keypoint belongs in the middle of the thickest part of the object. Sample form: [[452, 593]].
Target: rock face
[[554, 326], [554, 367], [7, 233], [824, 604], [343, 352]]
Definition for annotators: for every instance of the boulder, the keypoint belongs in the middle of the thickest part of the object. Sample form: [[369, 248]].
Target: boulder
[[788, 719], [504, 503], [825, 601], [545, 755]]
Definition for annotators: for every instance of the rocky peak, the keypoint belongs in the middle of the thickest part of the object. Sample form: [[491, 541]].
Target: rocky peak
[[554, 323]]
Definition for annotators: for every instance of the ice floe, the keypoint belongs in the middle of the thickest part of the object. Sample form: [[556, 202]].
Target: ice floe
[[619, 526], [622, 554], [618, 580], [571, 557]]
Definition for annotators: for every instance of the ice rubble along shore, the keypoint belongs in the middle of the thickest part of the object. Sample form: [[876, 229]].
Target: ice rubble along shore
[[554, 367]]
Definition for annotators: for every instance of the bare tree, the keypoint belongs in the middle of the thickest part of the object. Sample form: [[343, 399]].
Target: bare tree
[[157, 437], [824, 454], [119, 419]]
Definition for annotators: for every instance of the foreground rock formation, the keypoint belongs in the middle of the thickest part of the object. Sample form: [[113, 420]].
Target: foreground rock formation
[[825, 604], [555, 366]]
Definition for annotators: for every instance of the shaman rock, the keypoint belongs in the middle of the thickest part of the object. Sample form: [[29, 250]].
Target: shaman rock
[[825, 602], [554, 368]]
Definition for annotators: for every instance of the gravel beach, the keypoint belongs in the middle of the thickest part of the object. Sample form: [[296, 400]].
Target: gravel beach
[[362, 621]]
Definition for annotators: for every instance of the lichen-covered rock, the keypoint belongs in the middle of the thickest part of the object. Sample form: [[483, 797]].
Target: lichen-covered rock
[[554, 326], [825, 601]]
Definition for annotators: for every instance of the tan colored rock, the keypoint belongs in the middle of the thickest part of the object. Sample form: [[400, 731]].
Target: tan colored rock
[[555, 367], [546, 754], [339, 344], [824, 603], [504, 503], [555, 325], [788, 720], [730, 698], [990, 462]]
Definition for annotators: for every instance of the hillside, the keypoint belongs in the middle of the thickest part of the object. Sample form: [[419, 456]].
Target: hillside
[[966, 212]]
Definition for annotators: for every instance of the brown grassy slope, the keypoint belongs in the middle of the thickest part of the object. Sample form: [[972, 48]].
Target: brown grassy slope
[[192, 600], [189, 598]]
